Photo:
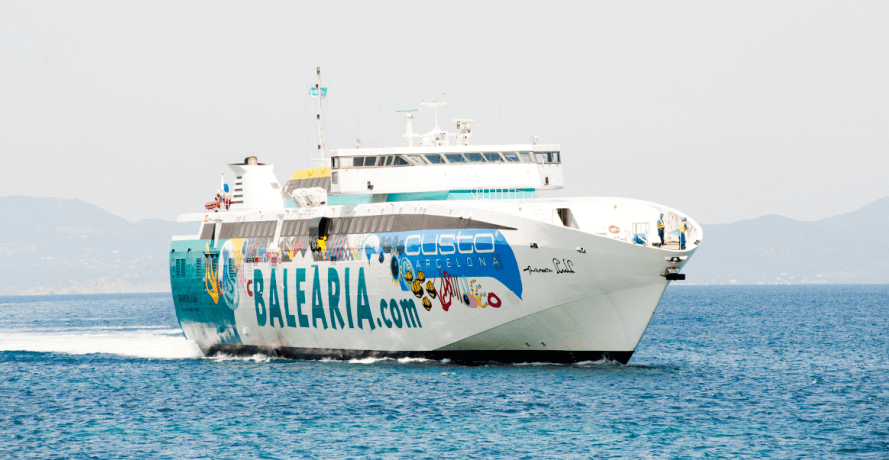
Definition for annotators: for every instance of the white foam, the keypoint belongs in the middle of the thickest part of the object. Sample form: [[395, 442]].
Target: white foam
[[537, 364], [367, 360], [601, 362], [412, 360], [259, 358], [159, 344]]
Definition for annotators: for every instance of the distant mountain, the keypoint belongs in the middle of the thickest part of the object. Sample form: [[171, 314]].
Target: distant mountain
[[777, 250], [56, 245]]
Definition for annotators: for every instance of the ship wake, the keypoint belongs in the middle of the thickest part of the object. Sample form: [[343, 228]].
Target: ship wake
[[157, 343]]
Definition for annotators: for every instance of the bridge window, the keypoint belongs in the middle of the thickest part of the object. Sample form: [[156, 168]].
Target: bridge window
[[399, 161], [418, 159], [455, 158], [493, 157], [511, 157], [548, 157], [434, 159], [525, 157], [358, 161], [475, 158]]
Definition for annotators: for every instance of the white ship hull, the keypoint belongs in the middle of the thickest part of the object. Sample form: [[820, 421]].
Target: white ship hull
[[521, 287]]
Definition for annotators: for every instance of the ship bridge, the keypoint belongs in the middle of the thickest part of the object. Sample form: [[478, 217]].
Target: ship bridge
[[445, 163], [513, 170]]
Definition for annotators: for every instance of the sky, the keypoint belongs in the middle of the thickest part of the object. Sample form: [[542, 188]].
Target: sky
[[726, 111]]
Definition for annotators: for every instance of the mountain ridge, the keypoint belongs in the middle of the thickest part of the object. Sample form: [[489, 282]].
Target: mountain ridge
[[775, 249], [65, 246]]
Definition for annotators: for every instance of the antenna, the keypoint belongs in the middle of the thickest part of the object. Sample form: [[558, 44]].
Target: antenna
[[409, 127], [319, 92], [435, 106]]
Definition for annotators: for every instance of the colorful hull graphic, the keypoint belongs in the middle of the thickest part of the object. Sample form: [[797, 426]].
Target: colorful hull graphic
[[467, 294]]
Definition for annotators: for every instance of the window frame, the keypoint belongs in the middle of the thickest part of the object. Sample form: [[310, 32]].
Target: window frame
[[462, 158], [466, 155], [496, 154]]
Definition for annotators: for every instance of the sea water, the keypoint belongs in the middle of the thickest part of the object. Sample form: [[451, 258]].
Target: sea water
[[759, 371]]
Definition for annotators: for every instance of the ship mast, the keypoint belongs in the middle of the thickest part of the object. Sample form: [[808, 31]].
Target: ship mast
[[319, 92]]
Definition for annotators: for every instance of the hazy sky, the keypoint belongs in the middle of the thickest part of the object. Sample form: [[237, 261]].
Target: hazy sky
[[724, 110]]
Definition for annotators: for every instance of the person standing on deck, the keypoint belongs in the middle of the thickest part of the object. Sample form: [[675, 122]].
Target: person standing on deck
[[683, 228], [660, 228]]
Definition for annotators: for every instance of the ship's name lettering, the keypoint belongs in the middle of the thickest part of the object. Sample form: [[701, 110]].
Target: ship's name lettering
[[189, 298], [274, 310], [565, 266], [561, 266], [530, 269]]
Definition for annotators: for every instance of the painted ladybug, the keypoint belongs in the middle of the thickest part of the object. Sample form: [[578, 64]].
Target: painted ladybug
[[417, 288], [430, 289], [420, 276], [427, 304]]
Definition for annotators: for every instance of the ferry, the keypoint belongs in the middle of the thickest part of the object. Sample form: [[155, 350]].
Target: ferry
[[440, 250]]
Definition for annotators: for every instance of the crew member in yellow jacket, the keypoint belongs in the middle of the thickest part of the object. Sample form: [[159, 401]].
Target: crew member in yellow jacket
[[660, 229], [683, 229]]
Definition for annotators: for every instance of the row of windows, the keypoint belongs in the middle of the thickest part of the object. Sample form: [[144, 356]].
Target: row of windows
[[295, 228], [248, 230], [349, 225], [446, 158], [322, 182]]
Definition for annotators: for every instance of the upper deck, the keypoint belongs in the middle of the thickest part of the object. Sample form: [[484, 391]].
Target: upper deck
[[445, 168]]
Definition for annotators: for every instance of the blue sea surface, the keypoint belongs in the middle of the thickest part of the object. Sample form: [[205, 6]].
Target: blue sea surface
[[733, 371]]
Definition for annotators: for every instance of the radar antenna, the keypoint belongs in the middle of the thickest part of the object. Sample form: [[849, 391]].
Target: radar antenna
[[435, 105], [409, 128]]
